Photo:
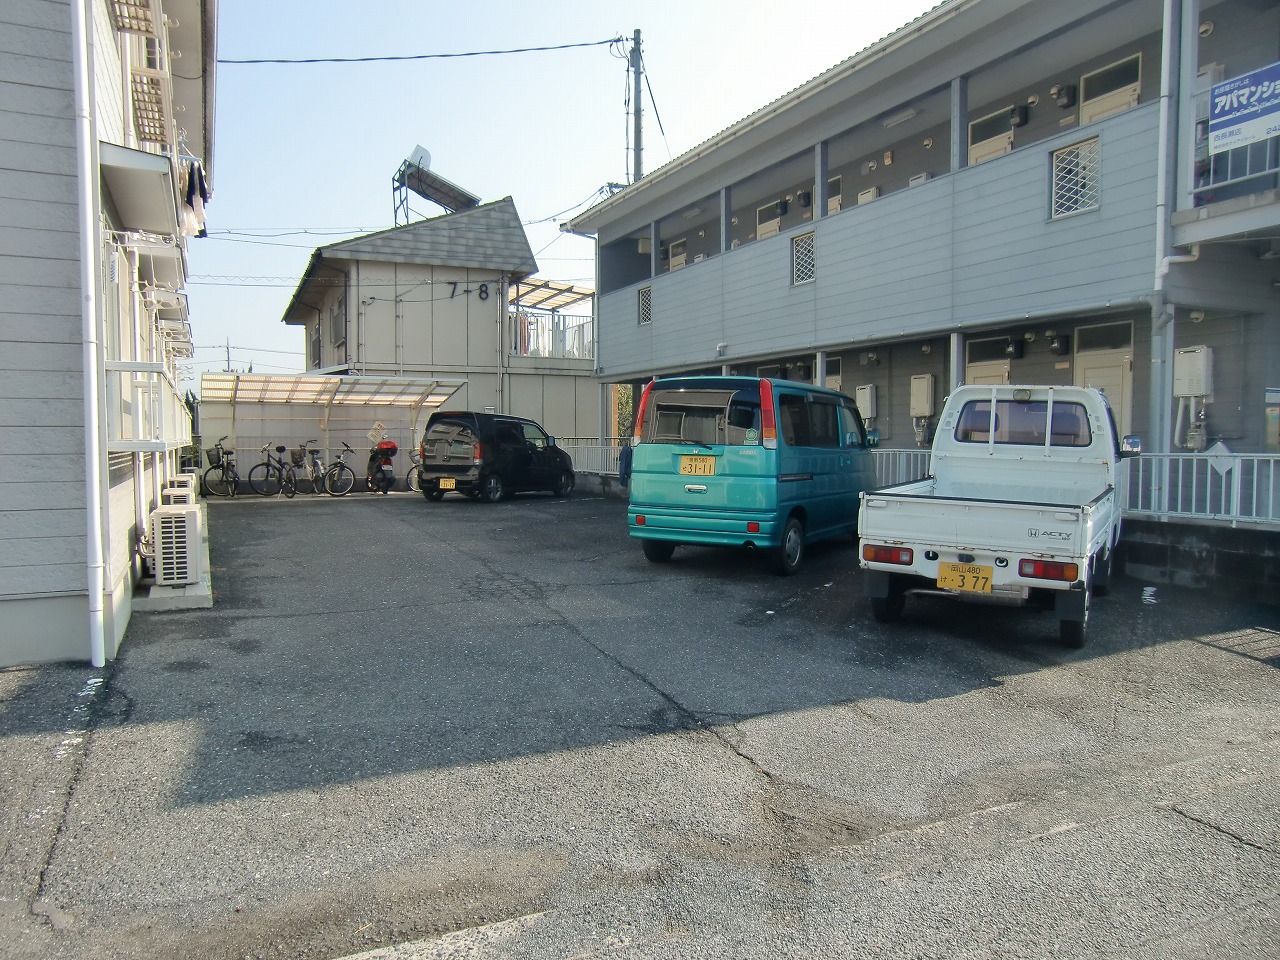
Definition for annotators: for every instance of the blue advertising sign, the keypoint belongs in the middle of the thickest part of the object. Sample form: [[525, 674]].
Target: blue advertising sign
[[1245, 109]]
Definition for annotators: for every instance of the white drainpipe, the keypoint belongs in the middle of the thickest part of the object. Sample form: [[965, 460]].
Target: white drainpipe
[[86, 175]]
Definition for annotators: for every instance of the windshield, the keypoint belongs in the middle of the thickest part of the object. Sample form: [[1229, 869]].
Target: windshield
[[703, 417]]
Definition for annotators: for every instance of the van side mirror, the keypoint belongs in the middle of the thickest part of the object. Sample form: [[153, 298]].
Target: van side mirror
[[551, 441], [1130, 446], [873, 437]]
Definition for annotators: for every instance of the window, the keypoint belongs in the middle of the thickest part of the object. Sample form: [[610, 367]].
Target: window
[[824, 423], [802, 262], [1023, 423], [1075, 179], [533, 435], [771, 370], [338, 321], [315, 345], [851, 427], [646, 305], [793, 420]]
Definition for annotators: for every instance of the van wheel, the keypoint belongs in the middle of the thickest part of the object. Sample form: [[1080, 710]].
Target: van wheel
[[433, 495], [658, 551], [493, 489], [564, 485], [788, 554]]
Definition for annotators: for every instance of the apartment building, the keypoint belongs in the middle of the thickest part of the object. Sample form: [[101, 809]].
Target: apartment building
[[451, 298], [1000, 191], [105, 166]]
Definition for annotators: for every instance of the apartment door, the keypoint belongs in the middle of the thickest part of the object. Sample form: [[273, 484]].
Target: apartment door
[[987, 371], [1104, 359]]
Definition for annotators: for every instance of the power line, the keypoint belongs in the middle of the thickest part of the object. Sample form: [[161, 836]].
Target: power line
[[430, 56]]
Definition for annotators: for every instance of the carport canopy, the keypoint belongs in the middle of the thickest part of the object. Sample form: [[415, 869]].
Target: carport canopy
[[327, 393]]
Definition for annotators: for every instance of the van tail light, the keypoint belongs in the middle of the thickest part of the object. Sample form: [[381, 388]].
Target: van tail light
[[878, 553], [768, 419], [644, 403], [1048, 570], [477, 453]]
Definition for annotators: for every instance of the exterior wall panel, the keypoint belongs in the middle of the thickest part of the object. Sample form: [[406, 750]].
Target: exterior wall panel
[[973, 247]]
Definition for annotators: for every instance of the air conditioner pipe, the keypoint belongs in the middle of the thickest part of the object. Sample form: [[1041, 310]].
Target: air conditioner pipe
[[86, 178]]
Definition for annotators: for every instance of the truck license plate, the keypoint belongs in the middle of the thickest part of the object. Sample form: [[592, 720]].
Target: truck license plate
[[692, 466], [969, 577], [448, 483]]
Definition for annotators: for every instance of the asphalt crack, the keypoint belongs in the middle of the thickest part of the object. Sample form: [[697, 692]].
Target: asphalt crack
[[1218, 828]]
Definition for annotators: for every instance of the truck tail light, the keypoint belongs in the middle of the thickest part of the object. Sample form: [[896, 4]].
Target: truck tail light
[[876, 553], [1048, 570], [639, 519]]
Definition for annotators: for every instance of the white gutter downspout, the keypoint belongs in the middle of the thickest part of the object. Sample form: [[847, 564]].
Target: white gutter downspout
[[1160, 393], [86, 173]]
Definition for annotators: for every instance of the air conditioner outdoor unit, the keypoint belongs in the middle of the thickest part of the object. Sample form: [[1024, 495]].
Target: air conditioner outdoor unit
[[175, 540], [918, 179], [181, 490], [869, 194]]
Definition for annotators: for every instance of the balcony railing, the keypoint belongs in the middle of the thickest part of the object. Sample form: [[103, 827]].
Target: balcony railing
[[558, 336], [1232, 489], [144, 410], [1257, 162]]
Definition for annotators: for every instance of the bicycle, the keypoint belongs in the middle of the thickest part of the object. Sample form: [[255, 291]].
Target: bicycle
[[411, 479], [311, 464], [340, 478], [221, 479], [273, 476]]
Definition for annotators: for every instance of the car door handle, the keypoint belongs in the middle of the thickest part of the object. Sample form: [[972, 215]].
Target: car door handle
[[695, 487]]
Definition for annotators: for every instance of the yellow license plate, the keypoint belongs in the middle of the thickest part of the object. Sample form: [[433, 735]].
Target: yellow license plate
[[970, 577], [448, 483], [697, 466]]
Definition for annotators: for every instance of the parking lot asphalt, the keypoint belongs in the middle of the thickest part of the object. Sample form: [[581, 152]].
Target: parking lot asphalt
[[411, 730]]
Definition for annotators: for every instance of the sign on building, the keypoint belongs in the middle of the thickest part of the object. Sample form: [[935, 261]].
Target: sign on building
[[1245, 110]]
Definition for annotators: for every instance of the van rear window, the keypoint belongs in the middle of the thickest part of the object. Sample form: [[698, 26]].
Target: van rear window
[[1024, 422], [710, 417]]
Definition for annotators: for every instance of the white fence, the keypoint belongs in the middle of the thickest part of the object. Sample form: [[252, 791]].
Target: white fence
[[1236, 489]]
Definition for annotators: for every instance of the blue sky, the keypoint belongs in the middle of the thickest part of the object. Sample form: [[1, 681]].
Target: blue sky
[[304, 153]]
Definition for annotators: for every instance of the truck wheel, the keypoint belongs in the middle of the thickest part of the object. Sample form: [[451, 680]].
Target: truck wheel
[[790, 551], [1072, 632], [1102, 574], [888, 609], [658, 551]]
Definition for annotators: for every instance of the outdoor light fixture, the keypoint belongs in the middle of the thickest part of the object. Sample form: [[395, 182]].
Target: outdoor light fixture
[[901, 117]]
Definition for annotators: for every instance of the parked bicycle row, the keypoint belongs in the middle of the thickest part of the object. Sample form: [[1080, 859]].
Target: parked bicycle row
[[304, 471]]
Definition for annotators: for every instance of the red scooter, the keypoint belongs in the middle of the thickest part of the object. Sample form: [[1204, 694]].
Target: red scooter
[[382, 474]]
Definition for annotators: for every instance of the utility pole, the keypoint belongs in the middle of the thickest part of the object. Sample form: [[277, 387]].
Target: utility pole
[[228, 355], [637, 167]]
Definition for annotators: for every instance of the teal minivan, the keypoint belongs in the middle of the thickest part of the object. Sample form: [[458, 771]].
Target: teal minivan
[[745, 462]]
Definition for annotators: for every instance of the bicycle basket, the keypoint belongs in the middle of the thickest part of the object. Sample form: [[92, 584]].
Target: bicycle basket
[[215, 456], [299, 457]]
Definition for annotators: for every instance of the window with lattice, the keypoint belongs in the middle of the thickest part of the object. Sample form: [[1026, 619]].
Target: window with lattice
[[646, 304], [802, 262], [1075, 179]]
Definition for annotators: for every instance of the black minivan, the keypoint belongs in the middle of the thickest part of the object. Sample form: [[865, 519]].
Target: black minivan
[[490, 456]]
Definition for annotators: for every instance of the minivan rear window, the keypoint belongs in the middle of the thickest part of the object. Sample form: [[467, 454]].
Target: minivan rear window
[[719, 417], [449, 438]]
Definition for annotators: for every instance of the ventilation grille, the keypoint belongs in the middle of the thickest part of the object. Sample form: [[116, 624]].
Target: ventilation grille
[[175, 535]]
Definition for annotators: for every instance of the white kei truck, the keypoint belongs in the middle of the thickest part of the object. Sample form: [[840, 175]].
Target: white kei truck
[[1019, 506]]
